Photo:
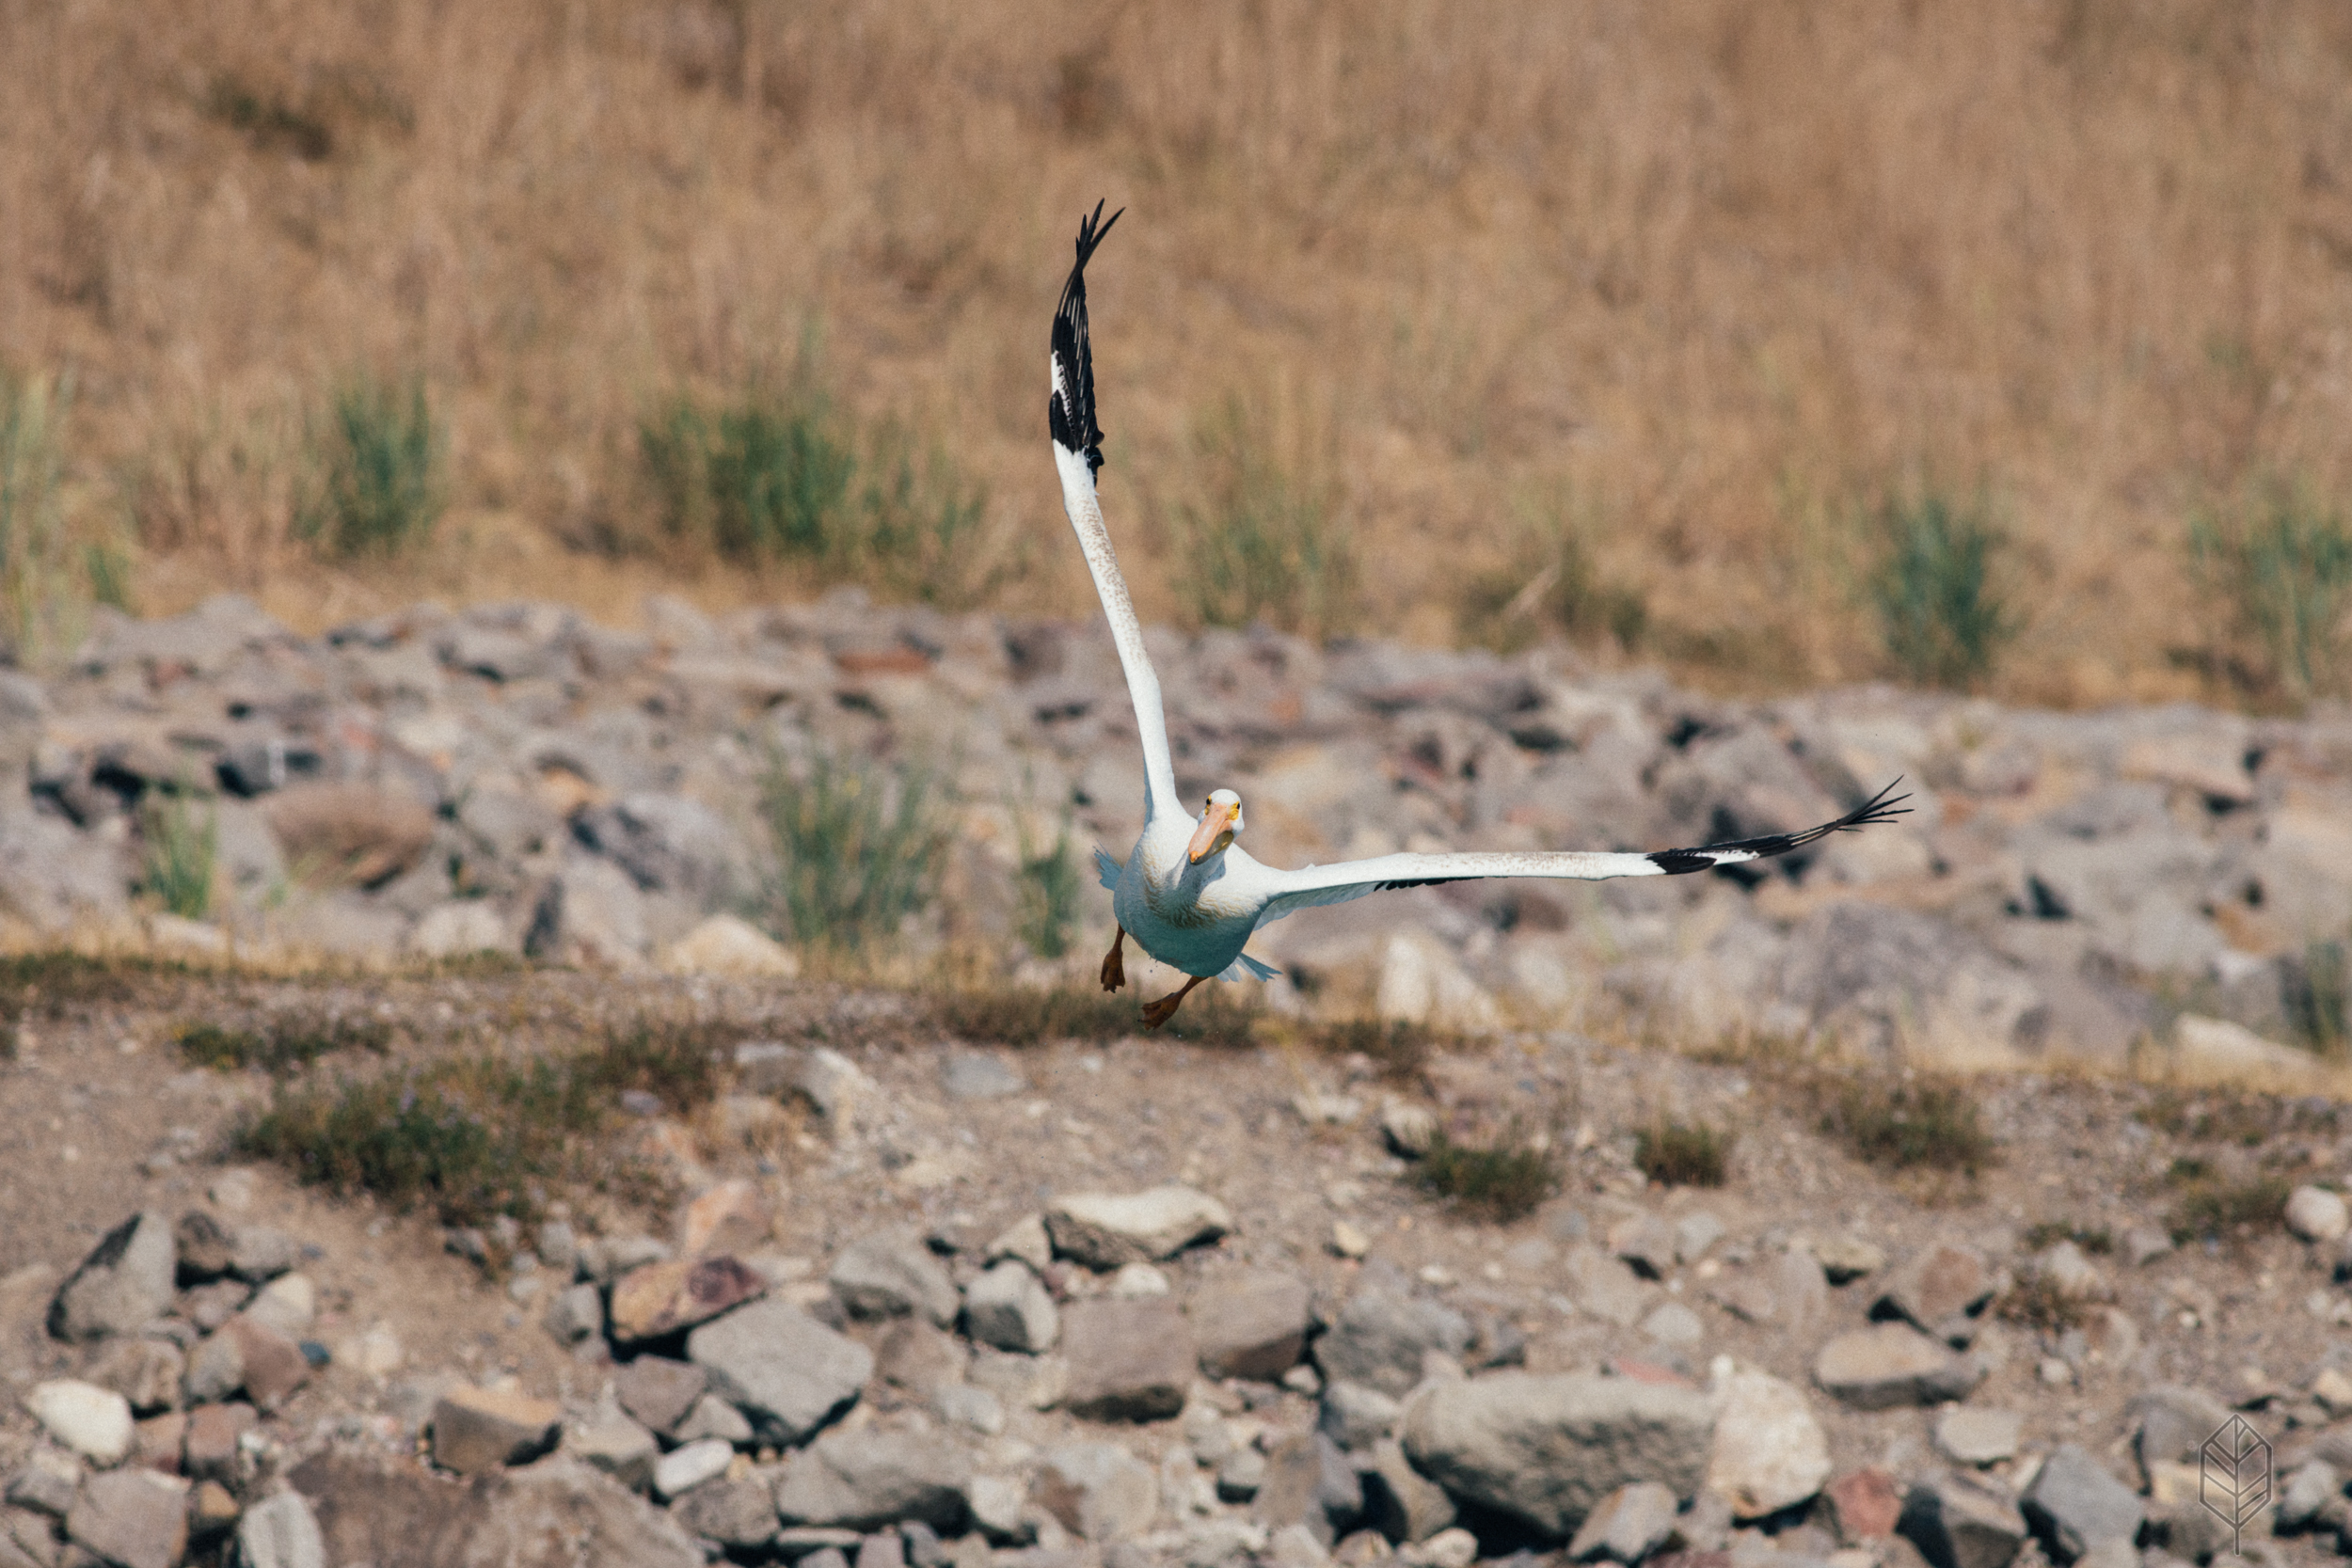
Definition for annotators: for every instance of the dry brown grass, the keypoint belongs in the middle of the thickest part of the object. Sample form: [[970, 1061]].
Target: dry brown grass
[[1726, 272]]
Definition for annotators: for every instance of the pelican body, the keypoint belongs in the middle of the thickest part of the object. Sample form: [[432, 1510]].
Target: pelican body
[[1188, 893]]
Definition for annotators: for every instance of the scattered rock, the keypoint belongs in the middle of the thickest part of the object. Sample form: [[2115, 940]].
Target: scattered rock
[[1959, 1523], [1103, 1230], [1382, 1340], [1937, 1284], [713, 1416], [575, 1316], [1890, 1364], [726, 947], [2074, 1505], [1130, 1360], [894, 1274], [739, 1514], [91, 1421], [1097, 1490], [1604, 1287], [691, 1465], [1024, 1240], [870, 1479], [1547, 1449], [1769, 1452], [1847, 1258], [1356, 1417], [1645, 1241], [1626, 1526], [1009, 1308], [127, 1279], [2318, 1215], [477, 1429], [785, 1370], [1865, 1504], [208, 1451], [1309, 1482], [1251, 1325], [730, 1217], [147, 1372], [1968, 1435], [971, 1075], [1400, 1502], [658, 1390], [280, 1532], [135, 1518], [619, 1448], [655, 1300], [47, 1485], [1695, 1233]]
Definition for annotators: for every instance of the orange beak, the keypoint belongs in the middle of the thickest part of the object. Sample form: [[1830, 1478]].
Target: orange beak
[[1216, 823]]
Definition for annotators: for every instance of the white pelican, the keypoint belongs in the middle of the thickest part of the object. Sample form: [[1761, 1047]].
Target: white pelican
[[1189, 894]]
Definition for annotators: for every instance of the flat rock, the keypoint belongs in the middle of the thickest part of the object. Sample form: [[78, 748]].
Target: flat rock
[[1626, 1526], [1769, 1451], [1024, 1239], [658, 1390], [867, 1480], [1250, 1325], [618, 1448], [1103, 1230], [1647, 1241], [1937, 1284], [48, 1482], [1129, 1360], [713, 1416], [892, 1274], [1097, 1490], [1010, 1309], [2170, 1422], [737, 1514], [727, 947], [1357, 1416], [135, 1518], [1547, 1449], [785, 1370], [281, 1531], [691, 1465], [2075, 1506], [1695, 1234], [732, 1217], [973, 1075], [1846, 1258], [655, 1300], [128, 1278], [1967, 1436], [1381, 1340], [1865, 1504], [1604, 1287], [557, 1513], [921, 1359], [1310, 1483], [91, 1421], [1892, 1363], [1956, 1522], [478, 1428]]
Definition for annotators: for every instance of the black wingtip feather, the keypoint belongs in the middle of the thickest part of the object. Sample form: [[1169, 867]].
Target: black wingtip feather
[[1883, 807], [1069, 408]]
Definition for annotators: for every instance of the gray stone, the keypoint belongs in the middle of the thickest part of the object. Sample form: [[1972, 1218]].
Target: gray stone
[[1670, 1323], [2144, 1244], [1381, 1339], [1602, 1286], [2075, 1504], [1026, 1239], [1009, 1308], [1239, 1475], [1399, 1501], [147, 1372], [867, 1480], [1937, 1284], [1769, 1452], [1105, 1230], [91, 1421], [785, 1370], [1356, 1417], [1129, 1360], [887, 1549], [47, 1483], [737, 1514], [919, 1359], [1250, 1325], [2171, 1423], [2314, 1487], [1309, 1482], [691, 1465], [127, 1279], [262, 1252], [481, 1429], [971, 1075], [1097, 1490], [1966, 1435], [58, 880], [977, 1410], [894, 1274], [1958, 1522], [1891, 1364], [670, 843], [1626, 1526], [1695, 1233], [555, 1513], [713, 1416], [280, 1532], [1645, 1241], [575, 1315], [1546, 1449], [658, 1390], [1846, 1258], [606, 1259], [133, 1518], [619, 1448]]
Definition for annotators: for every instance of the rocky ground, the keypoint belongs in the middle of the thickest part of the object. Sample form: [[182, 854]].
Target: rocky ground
[[2167, 883], [886, 1295]]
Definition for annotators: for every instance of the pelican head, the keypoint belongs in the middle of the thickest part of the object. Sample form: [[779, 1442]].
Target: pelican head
[[1220, 819]]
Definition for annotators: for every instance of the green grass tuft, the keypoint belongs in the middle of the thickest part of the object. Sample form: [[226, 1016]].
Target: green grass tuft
[[1047, 893], [2282, 561], [1264, 543], [1550, 586], [2096, 1241], [1022, 1017], [2317, 991], [859, 850], [377, 458], [1683, 1154], [1941, 615], [1502, 1181], [1909, 1124], [182, 845], [282, 1046], [2036, 1302], [2208, 1202], [1397, 1048]]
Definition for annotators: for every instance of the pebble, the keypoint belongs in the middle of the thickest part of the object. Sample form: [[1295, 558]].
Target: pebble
[[684, 1468], [91, 1421]]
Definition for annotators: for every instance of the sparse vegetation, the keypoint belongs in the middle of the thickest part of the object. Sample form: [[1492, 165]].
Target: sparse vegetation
[[1022, 1017], [859, 848], [1551, 587], [1943, 617], [181, 840], [470, 1137], [2097, 1240], [1047, 887], [283, 1045], [2282, 561], [1683, 1154], [2209, 1201], [1263, 541], [52, 567], [1501, 1180], [2036, 1302], [2209, 1116], [2316, 987], [376, 455], [1398, 1048], [1908, 1122]]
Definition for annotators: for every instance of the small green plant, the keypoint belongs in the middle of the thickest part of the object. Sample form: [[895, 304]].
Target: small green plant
[[181, 848], [2316, 989], [2212, 1115], [1264, 543], [1683, 1154], [44, 572], [1941, 613], [1908, 1123], [2283, 561], [2097, 1240], [1502, 1181], [2036, 1302], [2209, 1202], [377, 459], [859, 850], [1550, 586], [1047, 895], [283, 1045], [1398, 1048]]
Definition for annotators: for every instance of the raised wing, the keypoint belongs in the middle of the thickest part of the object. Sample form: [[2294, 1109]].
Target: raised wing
[[1314, 885], [1077, 454]]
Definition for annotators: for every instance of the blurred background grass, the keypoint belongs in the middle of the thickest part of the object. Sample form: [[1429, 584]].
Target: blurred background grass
[[740, 299]]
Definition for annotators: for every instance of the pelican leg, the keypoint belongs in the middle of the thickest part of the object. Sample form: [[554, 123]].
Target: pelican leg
[[1157, 1013], [1114, 968]]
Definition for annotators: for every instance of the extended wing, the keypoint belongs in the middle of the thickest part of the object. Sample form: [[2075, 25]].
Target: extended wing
[[1313, 885], [1078, 453]]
